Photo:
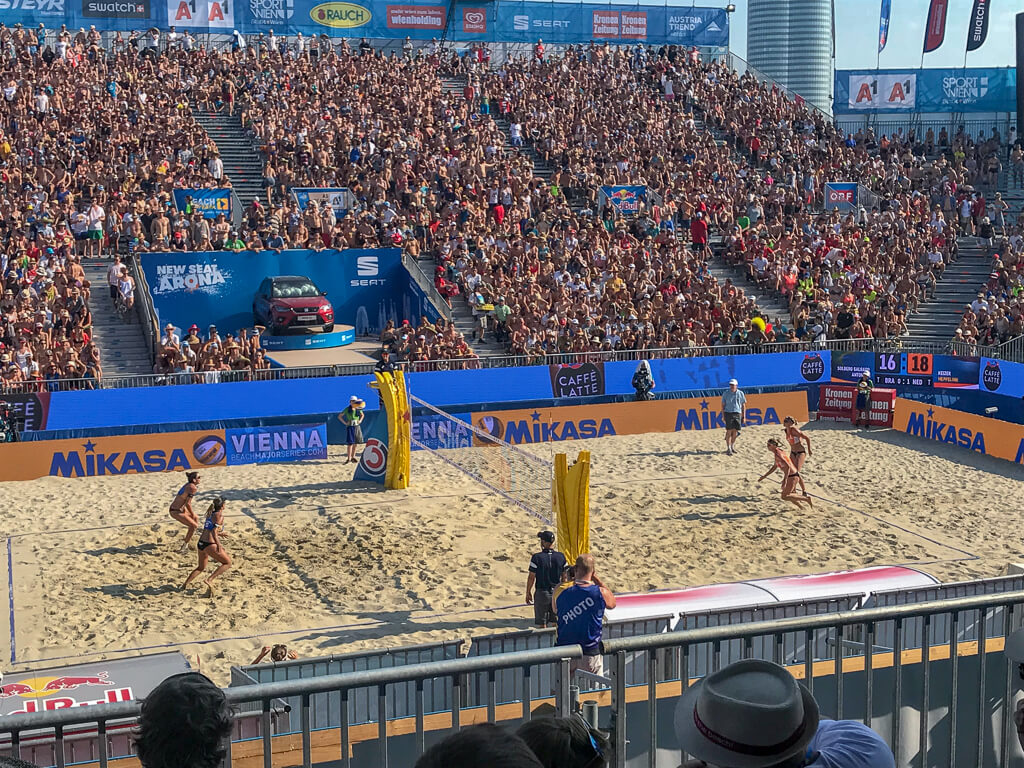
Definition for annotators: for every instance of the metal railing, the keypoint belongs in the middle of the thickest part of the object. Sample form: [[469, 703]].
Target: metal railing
[[1011, 350], [953, 123], [949, 706], [426, 284], [144, 306]]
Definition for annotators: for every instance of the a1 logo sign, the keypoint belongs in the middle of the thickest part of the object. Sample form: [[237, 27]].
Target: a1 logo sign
[[202, 14]]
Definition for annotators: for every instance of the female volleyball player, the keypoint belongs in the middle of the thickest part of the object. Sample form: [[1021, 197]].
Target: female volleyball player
[[181, 506], [209, 545], [796, 440], [790, 475]]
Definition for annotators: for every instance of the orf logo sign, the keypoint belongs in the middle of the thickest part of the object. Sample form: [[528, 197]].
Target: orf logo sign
[[474, 21], [841, 195]]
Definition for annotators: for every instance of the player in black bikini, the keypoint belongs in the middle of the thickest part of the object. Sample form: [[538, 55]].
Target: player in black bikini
[[181, 507], [209, 545], [796, 440]]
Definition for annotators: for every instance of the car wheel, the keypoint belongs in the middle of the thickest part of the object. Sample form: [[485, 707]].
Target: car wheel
[[329, 327], [276, 330]]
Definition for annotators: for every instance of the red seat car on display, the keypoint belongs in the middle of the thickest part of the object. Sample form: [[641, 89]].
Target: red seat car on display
[[290, 303]]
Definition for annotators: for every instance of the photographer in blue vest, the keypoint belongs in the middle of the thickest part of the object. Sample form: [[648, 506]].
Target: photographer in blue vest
[[579, 608]]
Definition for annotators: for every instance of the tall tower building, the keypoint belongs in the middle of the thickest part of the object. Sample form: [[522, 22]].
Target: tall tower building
[[791, 41]]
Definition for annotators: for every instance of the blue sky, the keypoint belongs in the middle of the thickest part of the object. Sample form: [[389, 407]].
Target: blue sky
[[857, 34]]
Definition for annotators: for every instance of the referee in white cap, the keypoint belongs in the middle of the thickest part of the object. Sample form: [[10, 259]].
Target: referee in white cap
[[734, 406], [546, 568]]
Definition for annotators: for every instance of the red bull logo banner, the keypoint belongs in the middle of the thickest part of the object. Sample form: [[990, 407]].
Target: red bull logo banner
[[45, 693], [625, 200], [82, 685], [120, 455]]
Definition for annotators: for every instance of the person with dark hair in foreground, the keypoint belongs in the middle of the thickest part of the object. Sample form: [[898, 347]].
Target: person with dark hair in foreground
[[185, 723], [479, 746], [565, 742]]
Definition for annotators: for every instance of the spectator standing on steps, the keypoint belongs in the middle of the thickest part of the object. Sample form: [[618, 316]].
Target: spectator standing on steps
[[579, 610], [546, 569]]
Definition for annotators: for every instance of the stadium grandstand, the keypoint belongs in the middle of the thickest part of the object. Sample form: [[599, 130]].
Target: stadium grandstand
[[490, 179], [548, 210]]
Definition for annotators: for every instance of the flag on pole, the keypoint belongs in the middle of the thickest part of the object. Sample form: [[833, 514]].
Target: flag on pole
[[977, 31], [935, 31], [883, 25]]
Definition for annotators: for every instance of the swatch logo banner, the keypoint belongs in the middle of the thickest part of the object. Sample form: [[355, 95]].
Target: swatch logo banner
[[578, 380], [116, 9], [977, 30]]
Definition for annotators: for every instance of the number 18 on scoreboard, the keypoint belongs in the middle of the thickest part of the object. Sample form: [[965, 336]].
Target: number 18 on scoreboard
[[903, 369]]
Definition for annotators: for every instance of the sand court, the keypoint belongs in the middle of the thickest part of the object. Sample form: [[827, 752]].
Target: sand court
[[329, 566]]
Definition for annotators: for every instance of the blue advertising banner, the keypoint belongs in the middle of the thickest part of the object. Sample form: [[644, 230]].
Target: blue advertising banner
[[339, 337], [339, 198], [841, 195], [301, 397], [1001, 377], [209, 202], [972, 89], [431, 430], [514, 21], [266, 445], [625, 199], [366, 287]]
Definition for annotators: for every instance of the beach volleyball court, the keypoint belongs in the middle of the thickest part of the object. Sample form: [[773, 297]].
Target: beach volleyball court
[[330, 566]]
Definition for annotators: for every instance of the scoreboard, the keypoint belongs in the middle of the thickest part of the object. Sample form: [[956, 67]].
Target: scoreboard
[[903, 369]]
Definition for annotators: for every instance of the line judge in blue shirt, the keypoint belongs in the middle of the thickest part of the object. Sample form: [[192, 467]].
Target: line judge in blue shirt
[[734, 405], [580, 609]]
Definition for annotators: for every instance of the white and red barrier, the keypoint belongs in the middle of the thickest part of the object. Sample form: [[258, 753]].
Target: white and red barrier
[[815, 586]]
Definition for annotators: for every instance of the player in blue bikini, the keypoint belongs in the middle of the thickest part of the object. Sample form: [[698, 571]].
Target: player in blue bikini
[[209, 545]]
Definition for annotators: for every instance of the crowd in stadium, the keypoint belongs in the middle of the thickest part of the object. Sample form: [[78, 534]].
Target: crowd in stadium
[[95, 140]]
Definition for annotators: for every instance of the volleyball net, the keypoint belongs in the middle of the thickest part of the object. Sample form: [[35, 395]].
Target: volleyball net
[[517, 475]]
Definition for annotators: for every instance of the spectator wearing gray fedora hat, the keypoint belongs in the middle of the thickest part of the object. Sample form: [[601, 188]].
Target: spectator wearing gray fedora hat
[[754, 714], [750, 714]]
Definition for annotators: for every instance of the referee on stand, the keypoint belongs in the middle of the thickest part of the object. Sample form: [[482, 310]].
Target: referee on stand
[[546, 568]]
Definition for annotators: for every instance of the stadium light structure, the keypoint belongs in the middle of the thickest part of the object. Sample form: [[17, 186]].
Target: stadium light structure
[[729, 9]]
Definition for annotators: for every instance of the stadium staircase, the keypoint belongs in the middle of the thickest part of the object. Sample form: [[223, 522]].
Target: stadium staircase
[[453, 88], [938, 319], [770, 304], [123, 347], [462, 316], [462, 319], [243, 163]]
